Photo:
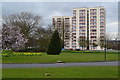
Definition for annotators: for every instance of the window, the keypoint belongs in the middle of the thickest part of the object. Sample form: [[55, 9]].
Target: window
[[82, 30], [73, 21], [82, 27], [66, 41], [66, 46], [101, 33], [92, 23], [59, 19], [93, 37], [82, 24], [93, 10], [93, 33], [73, 46], [94, 40], [101, 26], [101, 23], [53, 19], [93, 30], [74, 11], [93, 20], [101, 16], [82, 13], [74, 24], [93, 27], [101, 29], [74, 31], [74, 18], [74, 36], [73, 43], [101, 9], [82, 20], [81, 10], [93, 17], [82, 17], [92, 13], [102, 20], [82, 34], [73, 27], [101, 13]]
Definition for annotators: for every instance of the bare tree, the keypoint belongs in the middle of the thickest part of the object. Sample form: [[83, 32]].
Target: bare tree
[[26, 21], [116, 43], [31, 28], [82, 42], [104, 41], [44, 38]]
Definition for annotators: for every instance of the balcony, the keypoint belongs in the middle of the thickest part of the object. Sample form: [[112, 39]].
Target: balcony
[[93, 34], [102, 34], [82, 23], [93, 30], [93, 10], [102, 10], [93, 23], [93, 27], [82, 11], [102, 26]]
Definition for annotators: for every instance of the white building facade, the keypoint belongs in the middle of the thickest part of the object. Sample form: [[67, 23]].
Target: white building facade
[[85, 22]]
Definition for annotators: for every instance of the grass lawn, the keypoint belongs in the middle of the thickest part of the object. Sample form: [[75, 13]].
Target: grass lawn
[[67, 72], [66, 56]]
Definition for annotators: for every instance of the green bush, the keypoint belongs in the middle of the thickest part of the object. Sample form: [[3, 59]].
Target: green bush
[[38, 49], [7, 53]]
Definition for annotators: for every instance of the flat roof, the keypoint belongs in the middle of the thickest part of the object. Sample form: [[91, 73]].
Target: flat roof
[[89, 7], [60, 16]]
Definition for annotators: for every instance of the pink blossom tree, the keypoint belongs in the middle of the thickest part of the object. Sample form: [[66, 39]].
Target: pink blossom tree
[[12, 38]]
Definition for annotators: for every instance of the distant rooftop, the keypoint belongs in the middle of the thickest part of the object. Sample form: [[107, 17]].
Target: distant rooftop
[[60, 16], [89, 7]]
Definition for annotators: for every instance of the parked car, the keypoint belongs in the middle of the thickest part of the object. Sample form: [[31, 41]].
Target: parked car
[[77, 49]]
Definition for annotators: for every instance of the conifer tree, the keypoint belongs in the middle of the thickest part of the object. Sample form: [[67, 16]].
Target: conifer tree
[[54, 47]]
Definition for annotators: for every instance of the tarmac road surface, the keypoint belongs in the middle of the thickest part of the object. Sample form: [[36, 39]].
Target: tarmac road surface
[[108, 63]]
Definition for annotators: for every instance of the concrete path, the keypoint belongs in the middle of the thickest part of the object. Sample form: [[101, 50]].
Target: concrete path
[[111, 63]]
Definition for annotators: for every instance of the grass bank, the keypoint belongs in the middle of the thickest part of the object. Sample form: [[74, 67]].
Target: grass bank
[[67, 72], [66, 56]]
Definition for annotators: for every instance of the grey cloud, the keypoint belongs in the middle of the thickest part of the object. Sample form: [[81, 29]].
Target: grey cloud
[[48, 9]]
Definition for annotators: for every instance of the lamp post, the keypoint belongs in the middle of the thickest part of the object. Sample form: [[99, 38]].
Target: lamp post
[[105, 49], [116, 43]]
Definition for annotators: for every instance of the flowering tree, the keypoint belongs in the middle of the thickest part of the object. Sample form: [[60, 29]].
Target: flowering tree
[[30, 27], [12, 38], [26, 21]]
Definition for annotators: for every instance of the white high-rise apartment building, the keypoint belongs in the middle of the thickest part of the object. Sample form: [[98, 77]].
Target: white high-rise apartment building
[[89, 23], [64, 25]]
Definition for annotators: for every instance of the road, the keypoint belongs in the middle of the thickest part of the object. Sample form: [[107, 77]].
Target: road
[[110, 63]]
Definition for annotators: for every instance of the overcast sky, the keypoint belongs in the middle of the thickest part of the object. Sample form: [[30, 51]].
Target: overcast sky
[[49, 9]]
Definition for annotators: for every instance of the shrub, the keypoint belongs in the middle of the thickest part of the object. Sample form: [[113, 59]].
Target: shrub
[[7, 53], [39, 49]]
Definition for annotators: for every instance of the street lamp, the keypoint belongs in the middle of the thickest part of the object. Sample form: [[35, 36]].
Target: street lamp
[[116, 43], [105, 49]]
